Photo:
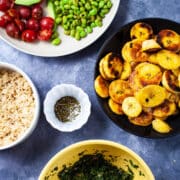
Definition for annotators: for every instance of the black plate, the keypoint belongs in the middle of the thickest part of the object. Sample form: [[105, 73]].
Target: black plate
[[115, 44]]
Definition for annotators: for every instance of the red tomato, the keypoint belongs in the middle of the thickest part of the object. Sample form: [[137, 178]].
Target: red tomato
[[29, 35], [5, 19], [47, 23], [45, 35], [33, 24], [5, 4], [25, 12], [37, 12], [2, 22], [12, 30]]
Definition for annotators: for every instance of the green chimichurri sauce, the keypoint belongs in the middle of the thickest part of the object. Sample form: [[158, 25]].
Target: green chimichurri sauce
[[94, 167]]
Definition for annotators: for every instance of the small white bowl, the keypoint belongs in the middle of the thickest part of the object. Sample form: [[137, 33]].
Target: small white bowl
[[29, 130], [57, 93]]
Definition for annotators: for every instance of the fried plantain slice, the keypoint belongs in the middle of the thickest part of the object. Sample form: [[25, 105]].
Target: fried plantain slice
[[141, 31], [131, 107], [169, 40], [148, 73], [150, 45], [132, 51], [153, 58], [161, 126], [166, 109], [168, 59], [119, 90], [134, 82], [112, 66], [126, 70], [101, 87], [144, 119], [151, 95], [101, 70], [170, 82], [115, 107]]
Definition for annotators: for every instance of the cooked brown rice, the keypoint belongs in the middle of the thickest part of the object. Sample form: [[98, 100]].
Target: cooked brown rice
[[17, 106]]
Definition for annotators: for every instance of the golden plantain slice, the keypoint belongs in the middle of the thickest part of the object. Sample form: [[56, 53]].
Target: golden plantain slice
[[115, 107], [101, 70], [112, 66], [141, 31], [134, 82], [151, 95], [101, 87], [170, 82], [131, 107], [169, 40], [172, 97], [153, 58], [176, 72], [168, 60], [148, 73], [150, 45], [131, 51], [144, 119], [165, 109], [119, 90], [126, 70], [161, 126]]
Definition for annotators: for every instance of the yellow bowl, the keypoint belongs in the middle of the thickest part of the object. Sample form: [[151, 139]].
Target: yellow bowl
[[124, 159]]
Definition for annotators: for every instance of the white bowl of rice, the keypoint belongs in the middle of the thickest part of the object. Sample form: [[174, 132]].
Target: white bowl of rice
[[19, 106]]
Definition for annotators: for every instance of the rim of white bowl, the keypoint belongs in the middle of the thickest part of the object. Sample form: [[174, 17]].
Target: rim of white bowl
[[35, 119], [51, 118]]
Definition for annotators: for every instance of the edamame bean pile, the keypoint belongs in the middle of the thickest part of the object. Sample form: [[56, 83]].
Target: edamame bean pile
[[79, 17]]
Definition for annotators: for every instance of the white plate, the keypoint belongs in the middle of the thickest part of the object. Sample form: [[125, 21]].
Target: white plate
[[68, 46]]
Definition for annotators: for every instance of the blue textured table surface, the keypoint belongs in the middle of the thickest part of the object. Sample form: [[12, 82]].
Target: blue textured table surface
[[25, 161]]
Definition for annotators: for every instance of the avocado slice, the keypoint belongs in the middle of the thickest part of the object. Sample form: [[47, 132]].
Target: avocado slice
[[26, 2], [50, 9]]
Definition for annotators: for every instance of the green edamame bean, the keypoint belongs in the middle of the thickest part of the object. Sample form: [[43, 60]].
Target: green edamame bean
[[93, 12], [56, 41], [77, 36], [83, 34], [79, 17], [101, 4], [73, 32], [89, 29], [58, 20], [109, 4]]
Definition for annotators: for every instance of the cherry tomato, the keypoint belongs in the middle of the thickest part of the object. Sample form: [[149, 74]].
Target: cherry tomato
[[33, 24], [5, 4], [37, 12], [25, 12], [29, 35], [47, 23], [5, 19], [12, 30], [45, 35], [2, 22]]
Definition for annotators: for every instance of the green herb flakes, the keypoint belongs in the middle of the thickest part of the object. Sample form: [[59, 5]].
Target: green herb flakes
[[93, 167]]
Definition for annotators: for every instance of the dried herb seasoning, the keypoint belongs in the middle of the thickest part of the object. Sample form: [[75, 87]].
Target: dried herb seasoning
[[94, 167], [67, 108]]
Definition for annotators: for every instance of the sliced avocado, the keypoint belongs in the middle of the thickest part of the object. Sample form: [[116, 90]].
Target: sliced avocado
[[50, 9], [26, 2]]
